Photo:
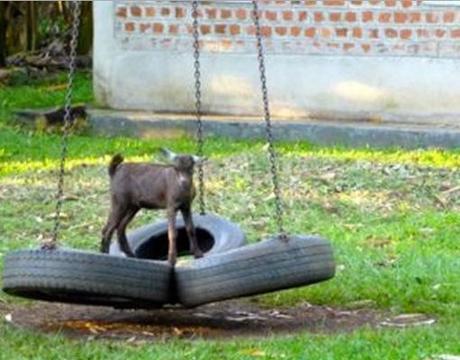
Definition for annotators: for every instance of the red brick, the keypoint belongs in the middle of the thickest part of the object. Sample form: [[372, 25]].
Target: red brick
[[158, 28], [368, 16], [400, 17], [310, 32], [288, 15], [150, 11], [449, 17], [173, 29], [180, 12], [431, 18], [296, 30], [390, 2], [205, 29], [366, 47], [225, 14], [391, 33], [319, 16], [385, 17], [415, 17], [122, 12], [334, 2], [374, 33], [303, 15], [407, 3], [423, 33], [235, 29], [341, 32], [211, 13], [357, 32], [350, 16], [241, 14], [357, 2], [455, 33], [271, 15], [405, 34], [310, 2], [165, 12], [130, 27], [136, 11], [440, 33], [335, 16], [266, 31], [348, 46], [220, 28], [325, 32], [281, 30], [144, 27], [251, 30]]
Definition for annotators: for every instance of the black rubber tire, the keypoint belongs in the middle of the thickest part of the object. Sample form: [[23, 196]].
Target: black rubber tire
[[254, 269], [214, 235], [87, 278]]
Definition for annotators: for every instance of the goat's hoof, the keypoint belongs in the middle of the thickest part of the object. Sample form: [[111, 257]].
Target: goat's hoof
[[172, 261]]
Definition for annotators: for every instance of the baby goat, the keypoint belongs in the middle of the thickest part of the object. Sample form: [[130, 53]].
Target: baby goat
[[142, 185]]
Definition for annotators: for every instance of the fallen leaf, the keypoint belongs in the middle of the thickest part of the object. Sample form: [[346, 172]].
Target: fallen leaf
[[253, 352], [407, 320], [9, 318]]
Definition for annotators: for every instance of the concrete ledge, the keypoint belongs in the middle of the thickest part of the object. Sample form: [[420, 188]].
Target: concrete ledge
[[357, 134]]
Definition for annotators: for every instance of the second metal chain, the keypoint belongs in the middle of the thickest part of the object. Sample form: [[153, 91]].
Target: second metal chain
[[197, 75], [67, 124], [269, 130]]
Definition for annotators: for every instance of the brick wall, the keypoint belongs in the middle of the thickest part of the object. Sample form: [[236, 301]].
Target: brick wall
[[341, 27]]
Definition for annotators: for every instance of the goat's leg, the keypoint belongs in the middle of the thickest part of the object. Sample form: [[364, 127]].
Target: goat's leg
[[121, 232], [172, 236], [187, 215], [115, 217]]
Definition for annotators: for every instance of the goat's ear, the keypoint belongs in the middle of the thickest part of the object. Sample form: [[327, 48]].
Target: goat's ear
[[199, 160], [168, 154]]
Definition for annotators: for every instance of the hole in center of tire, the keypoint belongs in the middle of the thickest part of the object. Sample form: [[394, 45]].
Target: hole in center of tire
[[156, 247]]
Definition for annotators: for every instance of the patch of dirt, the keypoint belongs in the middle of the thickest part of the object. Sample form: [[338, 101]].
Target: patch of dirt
[[228, 319]]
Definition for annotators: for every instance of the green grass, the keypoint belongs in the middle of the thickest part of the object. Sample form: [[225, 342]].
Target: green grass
[[389, 214]]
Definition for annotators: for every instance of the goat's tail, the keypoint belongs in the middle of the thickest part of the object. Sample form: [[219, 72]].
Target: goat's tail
[[116, 160]]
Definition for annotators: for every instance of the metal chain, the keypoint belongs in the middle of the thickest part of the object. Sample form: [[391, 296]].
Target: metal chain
[[197, 75], [67, 124], [269, 130]]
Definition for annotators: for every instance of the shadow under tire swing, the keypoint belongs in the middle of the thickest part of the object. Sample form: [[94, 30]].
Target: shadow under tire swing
[[280, 262]]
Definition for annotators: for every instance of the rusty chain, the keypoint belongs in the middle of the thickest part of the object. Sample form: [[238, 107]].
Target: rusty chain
[[268, 123], [198, 111], [51, 244]]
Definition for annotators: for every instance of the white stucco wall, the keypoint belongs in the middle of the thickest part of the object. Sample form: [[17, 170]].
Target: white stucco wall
[[140, 79]]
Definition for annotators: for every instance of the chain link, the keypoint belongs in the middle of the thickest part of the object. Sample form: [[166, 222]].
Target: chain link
[[268, 123], [67, 124], [197, 75]]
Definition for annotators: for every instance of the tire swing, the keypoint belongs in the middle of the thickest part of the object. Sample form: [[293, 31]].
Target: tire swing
[[73, 276], [280, 262]]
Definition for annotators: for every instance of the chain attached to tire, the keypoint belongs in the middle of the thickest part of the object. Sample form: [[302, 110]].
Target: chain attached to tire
[[51, 244], [197, 75], [268, 123]]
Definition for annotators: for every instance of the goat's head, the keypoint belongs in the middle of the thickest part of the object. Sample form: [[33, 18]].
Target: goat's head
[[182, 162]]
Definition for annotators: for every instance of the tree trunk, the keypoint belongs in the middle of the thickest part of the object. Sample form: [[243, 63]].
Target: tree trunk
[[3, 53], [31, 25], [85, 39]]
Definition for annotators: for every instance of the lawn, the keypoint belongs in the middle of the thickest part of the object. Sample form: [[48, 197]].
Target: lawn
[[392, 216]]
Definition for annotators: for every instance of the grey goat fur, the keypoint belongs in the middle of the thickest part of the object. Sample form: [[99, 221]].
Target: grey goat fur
[[135, 186]]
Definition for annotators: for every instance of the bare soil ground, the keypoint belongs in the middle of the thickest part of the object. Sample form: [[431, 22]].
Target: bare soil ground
[[228, 319]]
